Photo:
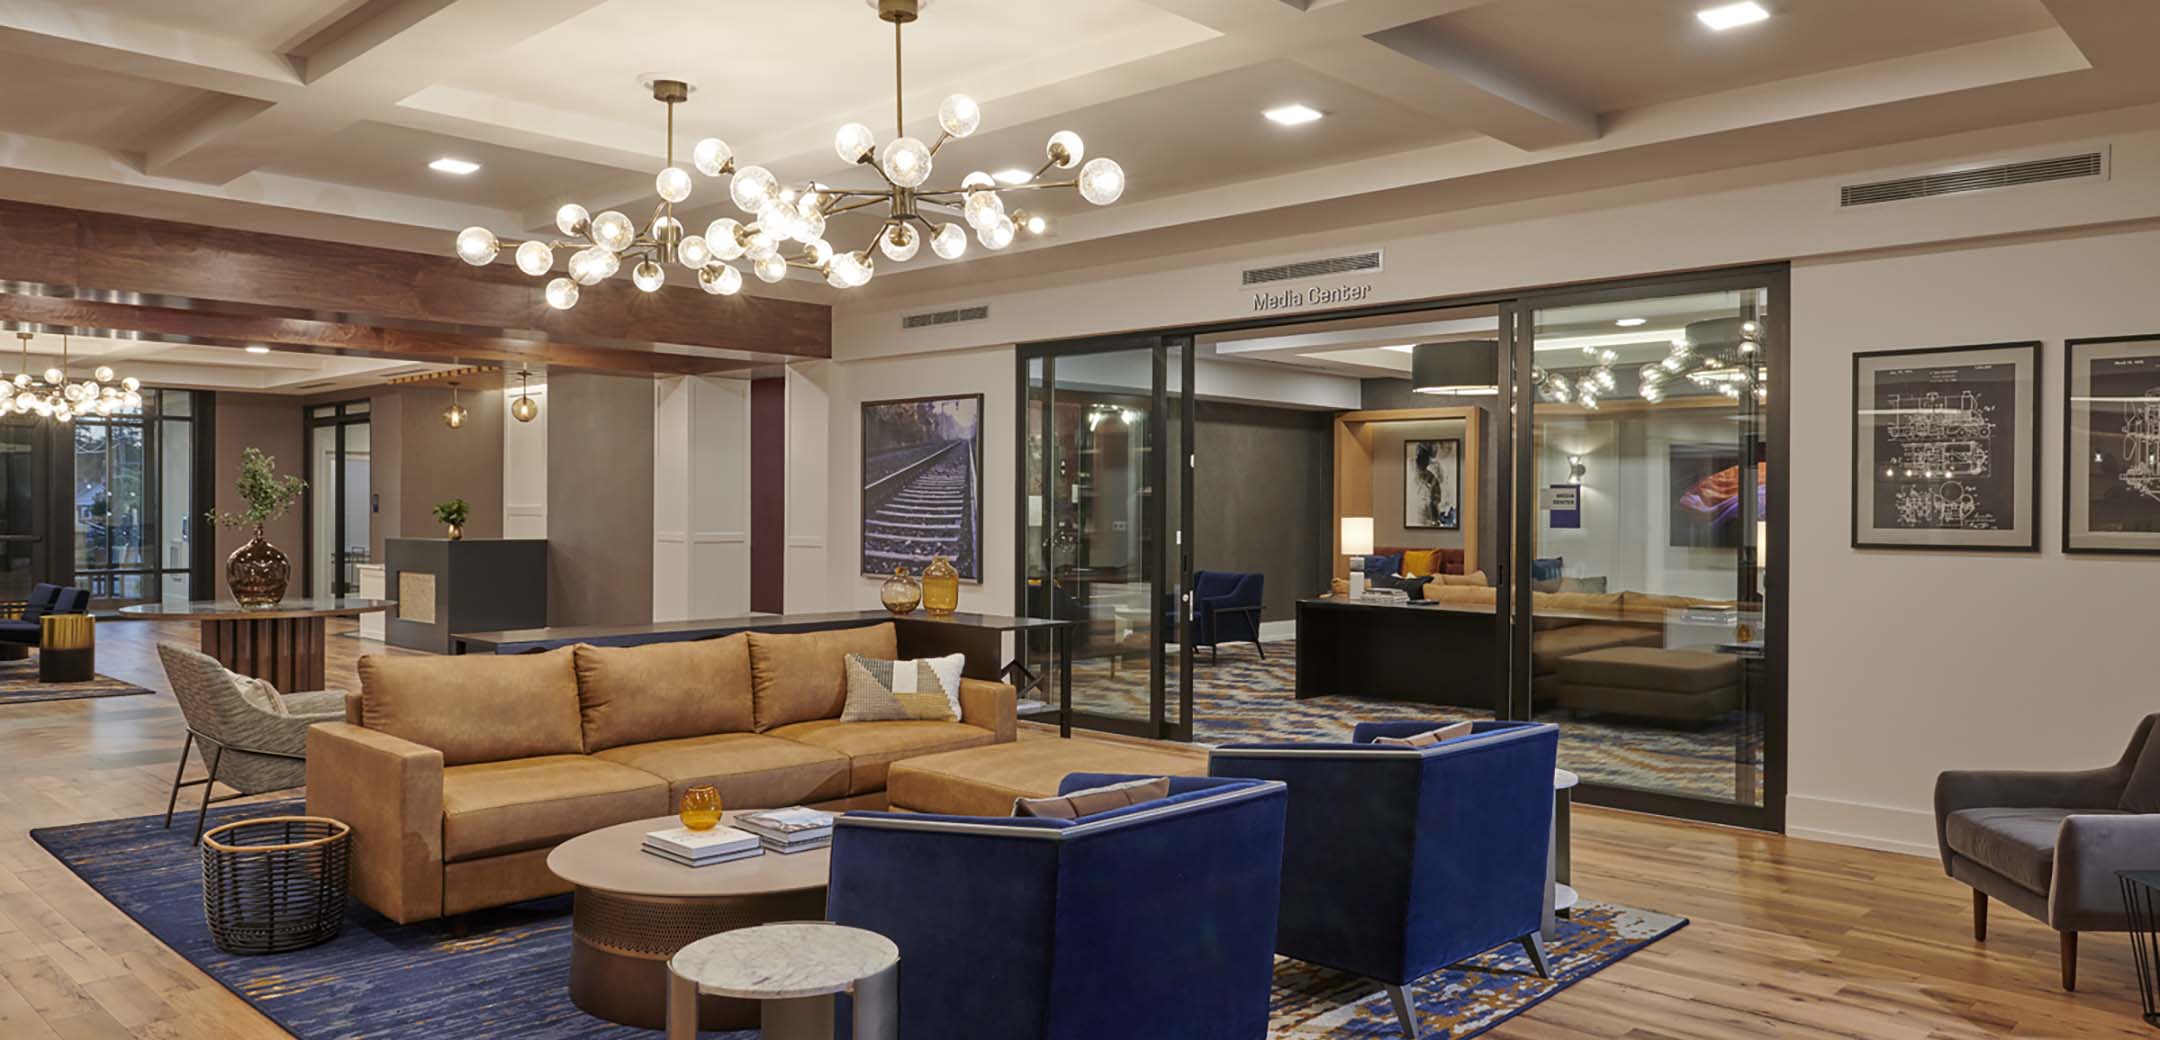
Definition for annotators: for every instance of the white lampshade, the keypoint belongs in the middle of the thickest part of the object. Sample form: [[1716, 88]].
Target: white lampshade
[[1357, 536]]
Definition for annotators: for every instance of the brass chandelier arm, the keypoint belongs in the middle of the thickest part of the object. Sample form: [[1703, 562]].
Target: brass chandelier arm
[[865, 203], [1033, 185]]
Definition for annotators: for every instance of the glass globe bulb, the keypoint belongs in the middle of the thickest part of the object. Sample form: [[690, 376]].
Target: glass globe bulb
[[562, 294], [693, 252], [977, 179], [906, 162], [1102, 181], [22, 379], [477, 246], [844, 267], [777, 219], [834, 279], [899, 243], [723, 237], [950, 242], [982, 207], [809, 225], [666, 229], [711, 156], [613, 232], [572, 219], [648, 276], [818, 252], [997, 234], [525, 409], [751, 187], [852, 142], [1065, 149], [585, 267], [864, 268], [73, 392], [535, 258], [762, 244], [53, 376], [959, 115], [719, 279], [770, 268], [673, 184], [103, 373]]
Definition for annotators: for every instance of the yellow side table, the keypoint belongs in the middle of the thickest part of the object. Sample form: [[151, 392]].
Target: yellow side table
[[67, 648]]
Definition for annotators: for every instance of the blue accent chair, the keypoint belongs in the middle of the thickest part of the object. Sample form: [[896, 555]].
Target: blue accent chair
[[1156, 920], [44, 599], [1226, 609], [1401, 861]]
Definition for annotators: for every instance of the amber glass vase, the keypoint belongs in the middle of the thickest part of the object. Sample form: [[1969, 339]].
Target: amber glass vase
[[900, 593], [701, 807], [257, 572], [940, 587]]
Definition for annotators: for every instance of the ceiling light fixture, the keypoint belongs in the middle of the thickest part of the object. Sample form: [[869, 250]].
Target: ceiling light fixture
[[1732, 16], [256, 348], [798, 214], [1293, 115], [524, 409], [454, 416], [459, 167], [52, 396], [1629, 323], [1460, 367], [1014, 175]]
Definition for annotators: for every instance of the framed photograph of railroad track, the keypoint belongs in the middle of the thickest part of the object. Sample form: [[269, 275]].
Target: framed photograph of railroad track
[[2111, 445], [1946, 445], [922, 484]]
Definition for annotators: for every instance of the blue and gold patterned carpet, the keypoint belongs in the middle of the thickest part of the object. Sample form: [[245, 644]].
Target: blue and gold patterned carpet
[[19, 684], [509, 977]]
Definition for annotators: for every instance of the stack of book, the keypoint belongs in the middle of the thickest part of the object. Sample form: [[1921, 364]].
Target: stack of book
[[702, 848], [793, 829]]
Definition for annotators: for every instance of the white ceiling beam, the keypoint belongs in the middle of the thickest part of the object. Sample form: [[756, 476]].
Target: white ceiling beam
[[1421, 65], [130, 47]]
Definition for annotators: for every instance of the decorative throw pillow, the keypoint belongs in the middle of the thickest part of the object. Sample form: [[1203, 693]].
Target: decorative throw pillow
[[1094, 799], [261, 693], [1427, 738], [888, 691], [1417, 562], [1380, 565]]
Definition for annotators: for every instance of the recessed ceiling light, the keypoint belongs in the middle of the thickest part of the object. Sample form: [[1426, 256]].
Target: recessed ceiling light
[[1292, 115], [257, 348], [456, 166], [1629, 323], [1730, 16], [1014, 176]]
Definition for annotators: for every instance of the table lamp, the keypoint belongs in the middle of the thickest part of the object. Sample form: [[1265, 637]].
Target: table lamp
[[1357, 544]]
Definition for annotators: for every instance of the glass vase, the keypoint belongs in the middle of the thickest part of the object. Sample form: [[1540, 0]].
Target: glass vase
[[940, 587], [701, 807], [900, 593]]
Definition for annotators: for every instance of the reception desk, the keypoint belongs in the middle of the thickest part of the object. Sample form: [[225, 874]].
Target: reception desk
[[460, 586]]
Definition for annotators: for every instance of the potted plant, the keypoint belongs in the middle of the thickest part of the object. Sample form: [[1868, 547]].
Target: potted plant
[[454, 513], [257, 571]]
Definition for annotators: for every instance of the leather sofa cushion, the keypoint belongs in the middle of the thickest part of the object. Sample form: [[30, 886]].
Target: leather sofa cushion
[[871, 747], [1549, 646], [1584, 602], [1464, 595], [800, 676], [749, 770], [2019, 844], [661, 691], [984, 781], [491, 808], [477, 707], [1652, 668]]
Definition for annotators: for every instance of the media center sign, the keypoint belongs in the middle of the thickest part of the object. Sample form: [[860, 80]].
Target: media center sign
[[1311, 296]]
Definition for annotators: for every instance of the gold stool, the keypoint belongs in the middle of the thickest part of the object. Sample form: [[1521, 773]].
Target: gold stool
[[67, 648]]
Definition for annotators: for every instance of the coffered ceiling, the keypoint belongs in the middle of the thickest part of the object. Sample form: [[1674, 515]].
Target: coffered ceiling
[[319, 117]]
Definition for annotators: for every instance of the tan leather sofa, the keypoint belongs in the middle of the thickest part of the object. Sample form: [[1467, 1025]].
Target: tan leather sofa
[[459, 774], [1573, 623]]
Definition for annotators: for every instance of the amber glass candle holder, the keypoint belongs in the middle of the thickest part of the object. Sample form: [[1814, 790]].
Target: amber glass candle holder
[[701, 807]]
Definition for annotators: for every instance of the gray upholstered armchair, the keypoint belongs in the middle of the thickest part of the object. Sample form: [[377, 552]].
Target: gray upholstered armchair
[[2049, 844], [248, 747]]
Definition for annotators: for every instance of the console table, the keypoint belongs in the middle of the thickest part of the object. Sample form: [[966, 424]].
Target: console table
[[281, 643], [1433, 654]]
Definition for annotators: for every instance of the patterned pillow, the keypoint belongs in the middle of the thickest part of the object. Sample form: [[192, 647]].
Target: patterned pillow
[[1094, 799], [888, 691], [1427, 738], [261, 694]]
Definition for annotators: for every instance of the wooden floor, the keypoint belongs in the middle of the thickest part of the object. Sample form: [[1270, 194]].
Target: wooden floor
[[1790, 938]]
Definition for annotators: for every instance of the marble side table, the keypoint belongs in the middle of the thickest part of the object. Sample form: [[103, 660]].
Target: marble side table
[[795, 969]]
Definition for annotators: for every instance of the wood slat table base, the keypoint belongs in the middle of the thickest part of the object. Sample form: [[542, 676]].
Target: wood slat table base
[[288, 651]]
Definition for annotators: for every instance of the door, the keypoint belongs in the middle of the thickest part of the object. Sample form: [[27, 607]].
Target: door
[[339, 498], [1107, 543]]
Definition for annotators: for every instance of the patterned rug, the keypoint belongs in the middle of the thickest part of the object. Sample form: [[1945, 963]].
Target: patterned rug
[[1244, 700], [19, 685], [509, 977]]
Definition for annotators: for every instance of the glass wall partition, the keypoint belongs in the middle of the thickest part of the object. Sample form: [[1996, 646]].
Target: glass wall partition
[[340, 528], [132, 500]]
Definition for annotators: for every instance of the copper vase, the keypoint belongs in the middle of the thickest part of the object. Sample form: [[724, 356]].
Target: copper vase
[[257, 573]]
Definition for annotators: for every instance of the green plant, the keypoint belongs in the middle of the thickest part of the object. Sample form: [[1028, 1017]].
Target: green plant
[[453, 512], [267, 495]]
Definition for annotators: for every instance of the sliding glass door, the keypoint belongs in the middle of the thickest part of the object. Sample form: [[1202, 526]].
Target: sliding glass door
[[340, 504]]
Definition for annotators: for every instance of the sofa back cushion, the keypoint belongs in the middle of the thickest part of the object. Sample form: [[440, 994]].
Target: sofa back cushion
[[663, 691], [476, 707], [2142, 793], [802, 676]]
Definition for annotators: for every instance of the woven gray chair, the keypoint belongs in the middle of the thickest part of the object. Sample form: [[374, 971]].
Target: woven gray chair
[[249, 749]]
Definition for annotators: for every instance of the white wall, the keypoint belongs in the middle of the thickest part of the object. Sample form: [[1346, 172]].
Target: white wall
[[1908, 663], [807, 580], [525, 471], [701, 498], [1626, 532]]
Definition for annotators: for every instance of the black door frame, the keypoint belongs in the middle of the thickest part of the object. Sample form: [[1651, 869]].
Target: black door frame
[[340, 417]]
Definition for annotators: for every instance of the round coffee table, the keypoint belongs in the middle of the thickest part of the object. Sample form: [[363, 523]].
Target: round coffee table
[[633, 910]]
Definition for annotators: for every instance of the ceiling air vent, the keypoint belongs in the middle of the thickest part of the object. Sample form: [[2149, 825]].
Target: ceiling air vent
[[951, 317], [1953, 182], [1352, 264]]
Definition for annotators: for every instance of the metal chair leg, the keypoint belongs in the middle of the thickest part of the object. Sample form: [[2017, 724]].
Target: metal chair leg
[[1535, 947], [174, 801], [217, 751], [1402, 1011], [1260, 646]]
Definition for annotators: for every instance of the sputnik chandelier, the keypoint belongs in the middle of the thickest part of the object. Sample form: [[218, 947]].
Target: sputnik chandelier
[[53, 396], [1721, 355], [792, 218]]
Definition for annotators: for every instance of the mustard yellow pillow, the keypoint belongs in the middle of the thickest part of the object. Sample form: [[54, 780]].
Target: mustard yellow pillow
[[1418, 562]]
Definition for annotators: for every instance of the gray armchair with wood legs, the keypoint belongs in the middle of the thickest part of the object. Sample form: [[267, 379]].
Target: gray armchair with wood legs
[[248, 748], [2049, 843]]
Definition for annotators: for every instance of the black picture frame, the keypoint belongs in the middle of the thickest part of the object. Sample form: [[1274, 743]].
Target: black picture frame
[[2078, 535], [1410, 450], [877, 551], [2025, 355]]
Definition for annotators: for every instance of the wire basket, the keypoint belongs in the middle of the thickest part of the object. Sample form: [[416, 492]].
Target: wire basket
[[275, 884]]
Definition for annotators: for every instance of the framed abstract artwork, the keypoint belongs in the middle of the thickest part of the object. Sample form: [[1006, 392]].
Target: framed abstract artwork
[[922, 484], [1432, 484], [2111, 445], [1946, 448]]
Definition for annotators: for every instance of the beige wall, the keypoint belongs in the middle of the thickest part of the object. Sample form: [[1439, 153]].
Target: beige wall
[[1387, 483], [270, 422], [600, 499], [438, 463]]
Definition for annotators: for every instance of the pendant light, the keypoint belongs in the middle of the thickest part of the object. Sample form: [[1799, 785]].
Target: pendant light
[[454, 416], [524, 409], [1461, 367]]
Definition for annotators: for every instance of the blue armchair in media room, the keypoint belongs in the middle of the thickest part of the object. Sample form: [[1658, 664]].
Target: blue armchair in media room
[[24, 631], [2049, 843], [1400, 861], [1155, 920], [1226, 609]]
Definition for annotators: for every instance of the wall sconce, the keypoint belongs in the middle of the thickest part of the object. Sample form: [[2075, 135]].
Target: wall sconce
[[1575, 469]]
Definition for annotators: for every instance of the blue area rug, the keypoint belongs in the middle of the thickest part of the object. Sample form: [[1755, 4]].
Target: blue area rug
[[510, 976]]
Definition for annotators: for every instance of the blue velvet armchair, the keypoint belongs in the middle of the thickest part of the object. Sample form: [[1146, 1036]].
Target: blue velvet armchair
[[1156, 920], [24, 629], [1400, 861], [1226, 609]]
